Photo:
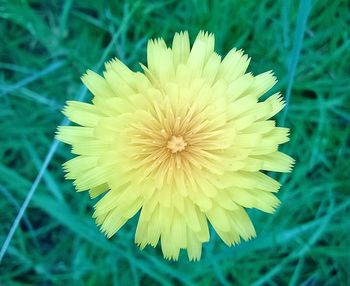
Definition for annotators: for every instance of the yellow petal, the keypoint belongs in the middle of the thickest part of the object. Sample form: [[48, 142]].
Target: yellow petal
[[181, 48]]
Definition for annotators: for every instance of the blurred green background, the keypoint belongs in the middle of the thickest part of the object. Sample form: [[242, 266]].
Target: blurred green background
[[45, 46]]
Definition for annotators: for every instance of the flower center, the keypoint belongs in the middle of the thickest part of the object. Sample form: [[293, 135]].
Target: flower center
[[176, 144]]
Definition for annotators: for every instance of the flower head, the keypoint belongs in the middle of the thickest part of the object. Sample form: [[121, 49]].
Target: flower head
[[185, 142]]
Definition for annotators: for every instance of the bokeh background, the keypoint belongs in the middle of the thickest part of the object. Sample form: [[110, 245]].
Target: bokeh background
[[45, 46]]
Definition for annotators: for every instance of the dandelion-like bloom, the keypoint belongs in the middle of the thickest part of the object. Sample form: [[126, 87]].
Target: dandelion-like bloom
[[185, 142]]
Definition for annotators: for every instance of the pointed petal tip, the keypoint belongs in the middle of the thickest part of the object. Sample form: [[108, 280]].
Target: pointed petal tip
[[86, 74]]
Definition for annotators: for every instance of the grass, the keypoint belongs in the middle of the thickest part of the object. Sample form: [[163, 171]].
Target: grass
[[45, 48]]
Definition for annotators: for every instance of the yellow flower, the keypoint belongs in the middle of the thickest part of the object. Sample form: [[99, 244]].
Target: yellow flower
[[184, 142]]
